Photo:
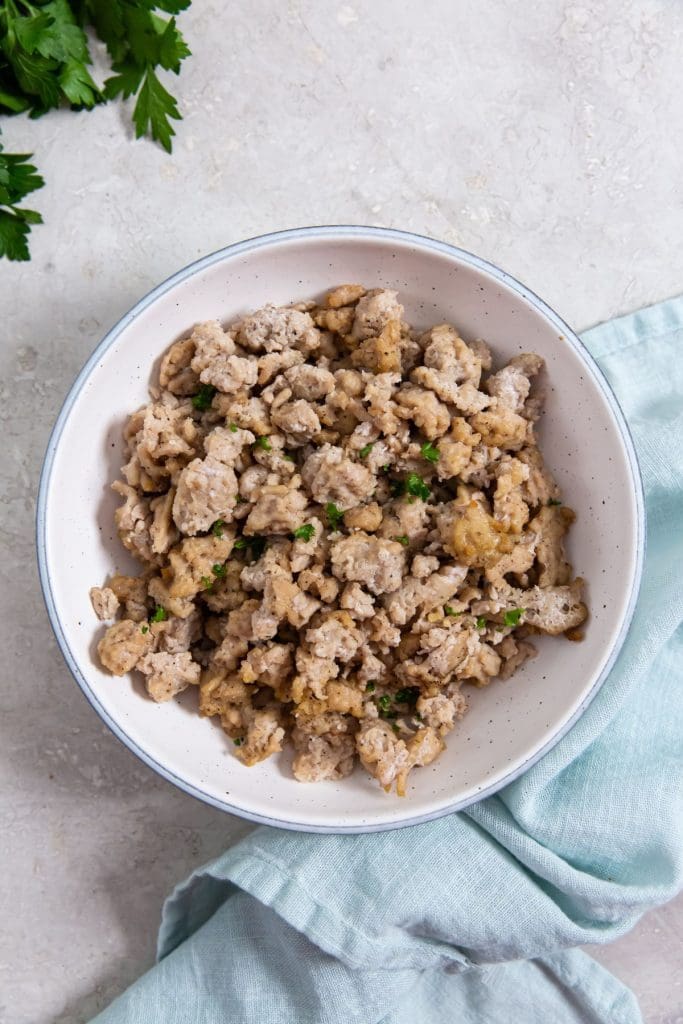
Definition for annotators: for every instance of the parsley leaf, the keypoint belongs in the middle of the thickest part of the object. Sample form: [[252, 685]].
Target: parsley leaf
[[217, 528], [430, 452], [403, 539], [365, 450], [160, 614], [304, 532], [238, 741], [451, 611], [481, 622], [512, 617], [263, 442], [219, 570], [18, 178], [206, 582], [554, 501], [233, 428], [370, 688], [384, 702], [153, 111], [144, 629], [240, 543], [204, 397], [334, 515]]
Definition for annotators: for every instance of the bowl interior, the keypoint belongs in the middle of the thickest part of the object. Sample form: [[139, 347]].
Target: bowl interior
[[508, 723]]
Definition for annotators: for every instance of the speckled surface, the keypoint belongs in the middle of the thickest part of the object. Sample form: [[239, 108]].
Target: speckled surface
[[544, 137]]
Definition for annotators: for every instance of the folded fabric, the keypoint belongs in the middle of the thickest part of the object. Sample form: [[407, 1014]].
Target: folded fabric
[[471, 918]]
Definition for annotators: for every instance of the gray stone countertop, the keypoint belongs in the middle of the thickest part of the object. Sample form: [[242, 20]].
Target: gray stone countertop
[[543, 136]]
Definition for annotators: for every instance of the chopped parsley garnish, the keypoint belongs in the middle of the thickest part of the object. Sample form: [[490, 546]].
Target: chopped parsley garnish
[[144, 629], [365, 450], [512, 617], [403, 539], [204, 397], [160, 614], [240, 543], [304, 532], [408, 695], [451, 611], [415, 485], [219, 570], [370, 688], [206, 583], [481, 622], [238, 741], [233, 427], [429, 452], [263, 442], [554, 501], [386, 468], [288, 458], [217, 528], [334, 515], [384, 702]]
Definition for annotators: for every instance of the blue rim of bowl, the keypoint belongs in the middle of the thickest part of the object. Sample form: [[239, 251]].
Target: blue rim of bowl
[[341, 231]]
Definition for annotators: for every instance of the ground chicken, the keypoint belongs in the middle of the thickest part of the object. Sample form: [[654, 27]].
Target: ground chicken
[[336, 515]]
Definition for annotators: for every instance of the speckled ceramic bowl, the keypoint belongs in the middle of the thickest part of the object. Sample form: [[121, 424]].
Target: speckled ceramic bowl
[[583, 437]]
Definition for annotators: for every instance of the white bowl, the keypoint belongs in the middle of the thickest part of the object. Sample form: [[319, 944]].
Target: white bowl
[[583, 437]]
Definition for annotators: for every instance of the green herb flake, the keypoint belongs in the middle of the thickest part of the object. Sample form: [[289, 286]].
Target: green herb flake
[[408, 695], [481, 622], [264, 443], [304, 532], [233, 427], [403, 539], [204, 397], [240, 543], [451, 611], [512, 617], [416, 486], [384, 702], [334, 515], [144, 629], [288, 458], [206, 583], [370, 688], [430, 452], [554, 501], [217, 528], [160, 614], [238, 741], [365, 450], [219, 570]]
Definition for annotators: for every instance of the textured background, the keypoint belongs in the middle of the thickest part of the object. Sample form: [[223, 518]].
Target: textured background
[[544, 136]]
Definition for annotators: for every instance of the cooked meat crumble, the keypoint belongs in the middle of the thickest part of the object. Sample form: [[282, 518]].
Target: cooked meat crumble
[[341, 523]]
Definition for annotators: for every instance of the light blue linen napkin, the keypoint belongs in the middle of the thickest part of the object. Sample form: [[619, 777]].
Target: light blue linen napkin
[[472, 918]]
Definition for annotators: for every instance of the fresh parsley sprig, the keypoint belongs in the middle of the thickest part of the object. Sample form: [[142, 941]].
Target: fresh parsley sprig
[[44, 62]]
